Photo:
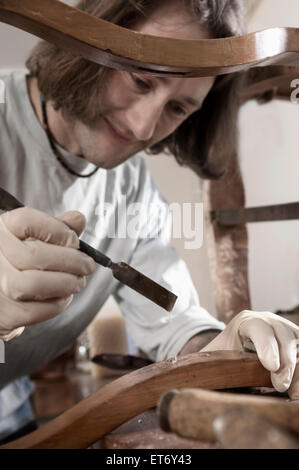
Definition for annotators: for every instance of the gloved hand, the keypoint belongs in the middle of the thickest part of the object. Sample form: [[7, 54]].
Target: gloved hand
[[40, 267], [275, 340]]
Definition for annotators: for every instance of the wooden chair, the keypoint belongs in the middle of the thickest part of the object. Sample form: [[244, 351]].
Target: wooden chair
[[227, 216], [116, 47]]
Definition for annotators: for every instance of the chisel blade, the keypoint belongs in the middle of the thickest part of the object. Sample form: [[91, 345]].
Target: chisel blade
[[143, 285]]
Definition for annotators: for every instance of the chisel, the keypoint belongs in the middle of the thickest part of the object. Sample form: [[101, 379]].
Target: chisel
[[121, 271]]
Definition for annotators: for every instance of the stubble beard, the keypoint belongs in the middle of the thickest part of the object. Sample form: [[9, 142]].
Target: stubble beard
[[90, 148]]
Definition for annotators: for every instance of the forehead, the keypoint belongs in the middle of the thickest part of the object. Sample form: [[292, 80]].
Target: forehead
[[173, 19]]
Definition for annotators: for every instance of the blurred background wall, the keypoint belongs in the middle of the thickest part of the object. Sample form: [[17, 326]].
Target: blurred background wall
[[269, 160], [269, 147]]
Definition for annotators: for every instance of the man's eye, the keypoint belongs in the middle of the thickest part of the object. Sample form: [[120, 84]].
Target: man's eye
[[177, 109], [140, 83]]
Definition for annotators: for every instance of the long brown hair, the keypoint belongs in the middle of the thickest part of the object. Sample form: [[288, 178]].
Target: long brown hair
[[207, 139]]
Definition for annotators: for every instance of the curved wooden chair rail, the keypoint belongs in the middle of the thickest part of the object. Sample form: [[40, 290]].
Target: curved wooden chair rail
[[132, 394], [269, 82], [117, 47]]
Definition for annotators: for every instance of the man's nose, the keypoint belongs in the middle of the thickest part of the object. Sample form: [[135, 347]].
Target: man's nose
[[142, 119]]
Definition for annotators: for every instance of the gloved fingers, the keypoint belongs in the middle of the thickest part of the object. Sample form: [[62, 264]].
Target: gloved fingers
[[287, 343], [269, 317], [29, 313], [75, 220], [46, 285], [37, 285], [27, 223], [30, 255], [294, 388], [262, 336]]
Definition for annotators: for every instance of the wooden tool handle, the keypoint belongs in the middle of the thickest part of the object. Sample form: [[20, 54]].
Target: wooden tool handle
[[191, 413], [99, 257], [239, 428], [132, 394], [116, 47]]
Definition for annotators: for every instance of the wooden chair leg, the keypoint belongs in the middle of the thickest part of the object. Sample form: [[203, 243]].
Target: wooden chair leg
[[227, 246]]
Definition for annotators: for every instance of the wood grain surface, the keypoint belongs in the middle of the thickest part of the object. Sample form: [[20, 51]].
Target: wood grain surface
[[239, 428], [117, 47], [121, 400], [191, 412], [227, 246], [257, 214]]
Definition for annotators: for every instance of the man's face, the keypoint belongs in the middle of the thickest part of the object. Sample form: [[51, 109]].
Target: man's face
[[138, 111]]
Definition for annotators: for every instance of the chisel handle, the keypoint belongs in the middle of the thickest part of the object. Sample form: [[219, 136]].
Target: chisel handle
[[99, 257]]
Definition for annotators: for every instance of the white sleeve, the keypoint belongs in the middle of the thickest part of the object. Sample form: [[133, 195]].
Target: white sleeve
[[159, 333]]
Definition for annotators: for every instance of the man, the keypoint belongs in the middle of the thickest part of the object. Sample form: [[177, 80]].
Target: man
[[70, 137]]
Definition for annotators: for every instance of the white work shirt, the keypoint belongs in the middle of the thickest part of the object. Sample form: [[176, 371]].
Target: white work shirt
[[30, 171]]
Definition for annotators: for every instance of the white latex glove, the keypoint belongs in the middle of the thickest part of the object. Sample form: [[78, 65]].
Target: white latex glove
[[275, 340], [40, 267]]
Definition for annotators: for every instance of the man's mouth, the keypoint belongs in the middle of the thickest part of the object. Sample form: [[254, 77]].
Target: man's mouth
[[116, 133]]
